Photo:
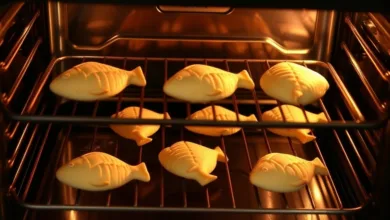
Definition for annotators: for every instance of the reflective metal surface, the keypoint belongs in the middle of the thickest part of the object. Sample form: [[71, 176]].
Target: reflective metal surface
[[146, 30]]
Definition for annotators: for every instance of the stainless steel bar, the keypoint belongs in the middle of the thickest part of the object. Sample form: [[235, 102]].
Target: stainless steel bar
[[348, 99], [264, 40], [163, 134], [140, 116], [383, 72], [206, 190], [359, 184], [60, 151], [228, 174], [108, 203], [7, 99], [379, 106], [189, 59], [8, 19], [38, 157], [183, 181], [4, 65], [26, 152], [10, 134], [359, 157], [172, 100]]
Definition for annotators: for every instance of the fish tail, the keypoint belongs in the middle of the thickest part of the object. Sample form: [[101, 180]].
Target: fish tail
[[140, 172], [322, 117], [141, 139], [251, 117], [305, 138], [167, 116], [245, 81], [137, 77], [319, 167], [205, 178], [221, 156]]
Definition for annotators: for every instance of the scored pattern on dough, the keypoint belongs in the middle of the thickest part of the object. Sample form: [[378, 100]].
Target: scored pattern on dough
[[180, 153], [297, 82]]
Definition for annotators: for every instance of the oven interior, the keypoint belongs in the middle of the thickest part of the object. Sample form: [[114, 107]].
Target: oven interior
[[43, 131]]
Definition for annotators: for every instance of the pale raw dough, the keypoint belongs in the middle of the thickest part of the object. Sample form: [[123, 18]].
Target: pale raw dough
[[191, 161], [293, 114], [293, 84], [222, 114], [200, 83], [284, 173], [98, 171], [139, 133], [91, 81]]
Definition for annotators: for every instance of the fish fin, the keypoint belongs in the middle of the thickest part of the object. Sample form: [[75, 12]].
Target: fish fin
[[322, 117], [245, 81], [140, 172], [221, 156], [101, 183], [305, 138], [319, 167], [215, 92], [137, 77], [63, 100], [205, 178], [99, 93], [226, 132], [167, 116], [192, 169], [299, 183], [296, 95], [251, 117], [139, 138]]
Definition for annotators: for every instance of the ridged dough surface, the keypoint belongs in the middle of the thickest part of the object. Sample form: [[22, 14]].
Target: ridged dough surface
[[98, 171], [191, 161], [200, 83], [139, 133], [293, 84], [222, 114], [91, 81], [293, 114], [284, 173]]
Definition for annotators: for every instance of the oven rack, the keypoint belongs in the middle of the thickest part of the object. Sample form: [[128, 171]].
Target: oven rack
[[22, 183], [28, 113], [320, 189]]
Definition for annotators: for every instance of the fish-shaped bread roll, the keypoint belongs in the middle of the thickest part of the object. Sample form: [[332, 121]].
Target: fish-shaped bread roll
[[191, 161], [293, 114], [91, 81], [98, 171], [222, 114], [139, 133], [200, 83], [284, 173], [293, 84]]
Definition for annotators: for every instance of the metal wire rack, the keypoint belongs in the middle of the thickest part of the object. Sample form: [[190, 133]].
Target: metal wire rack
[[28, 113], [321, 196]]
